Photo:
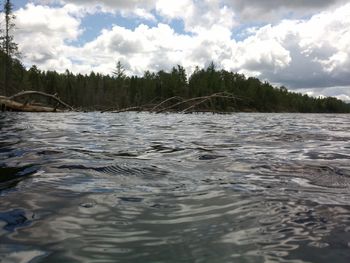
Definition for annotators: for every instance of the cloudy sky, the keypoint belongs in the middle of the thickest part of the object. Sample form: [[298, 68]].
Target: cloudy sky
[[301, 44]]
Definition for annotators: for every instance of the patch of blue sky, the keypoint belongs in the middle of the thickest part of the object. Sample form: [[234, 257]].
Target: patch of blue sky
[[76, 61], [19, 3], [244, 31], [176, 24], [92, 25]]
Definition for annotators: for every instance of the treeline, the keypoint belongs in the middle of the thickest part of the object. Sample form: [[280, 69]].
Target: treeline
[[117, 91], [100, 92]]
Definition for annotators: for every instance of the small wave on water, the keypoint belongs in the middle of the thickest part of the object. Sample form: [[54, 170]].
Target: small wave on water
[[118, 170], [11, 176], [14, 219], [174, 188], [321, 175]]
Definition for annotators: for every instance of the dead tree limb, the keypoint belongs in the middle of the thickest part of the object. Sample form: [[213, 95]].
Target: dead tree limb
[[201, 100], [165, 101], [10, 104], [179, 104], [43, 94], [137, 108], [194, 105]]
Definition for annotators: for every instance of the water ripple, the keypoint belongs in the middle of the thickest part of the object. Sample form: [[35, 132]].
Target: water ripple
[[174, 188]]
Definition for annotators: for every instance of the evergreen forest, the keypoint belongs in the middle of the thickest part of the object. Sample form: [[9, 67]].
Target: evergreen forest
[[117, 91]]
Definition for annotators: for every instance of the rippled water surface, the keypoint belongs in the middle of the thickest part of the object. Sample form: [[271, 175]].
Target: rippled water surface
[[138, 187]]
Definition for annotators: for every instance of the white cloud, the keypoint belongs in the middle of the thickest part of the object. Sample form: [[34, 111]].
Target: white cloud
[[343, 97], [326, 38], [112, 4], [269, 54], [143, 13], [180, 9], [47, 21], [318, 48], [133, 8], [44, 33], [197, 16], [144, 48]]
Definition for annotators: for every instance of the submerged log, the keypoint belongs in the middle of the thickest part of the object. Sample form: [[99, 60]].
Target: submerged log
[[9, 103]]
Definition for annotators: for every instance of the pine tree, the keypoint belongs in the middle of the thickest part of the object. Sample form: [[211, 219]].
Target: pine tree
[[119, 71], [8, 45]]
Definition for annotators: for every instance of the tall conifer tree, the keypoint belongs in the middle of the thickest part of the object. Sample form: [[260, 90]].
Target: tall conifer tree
[[8, 45]]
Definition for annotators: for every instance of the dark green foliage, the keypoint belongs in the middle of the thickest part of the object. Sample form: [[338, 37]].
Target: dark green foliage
[[98, 92]]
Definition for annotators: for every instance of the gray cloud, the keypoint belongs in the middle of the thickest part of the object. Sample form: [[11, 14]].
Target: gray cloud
[[342, 93], [268, 10], [305, 72], [117, 5], [124, 46]]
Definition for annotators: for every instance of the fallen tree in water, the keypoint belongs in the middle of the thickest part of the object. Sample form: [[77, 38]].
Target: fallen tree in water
[[181, 105], [173, 104], [11, 104]]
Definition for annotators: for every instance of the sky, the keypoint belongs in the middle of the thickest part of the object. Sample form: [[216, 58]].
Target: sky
[[303, 45]]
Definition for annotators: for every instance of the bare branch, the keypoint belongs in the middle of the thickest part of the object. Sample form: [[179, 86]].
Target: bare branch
[[194, 105], [165, 101], [223, 95]]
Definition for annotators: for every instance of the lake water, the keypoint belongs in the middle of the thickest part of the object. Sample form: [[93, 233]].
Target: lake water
[[139, 187]]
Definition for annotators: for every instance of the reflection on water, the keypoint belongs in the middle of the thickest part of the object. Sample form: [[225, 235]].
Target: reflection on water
[[174, 188]]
